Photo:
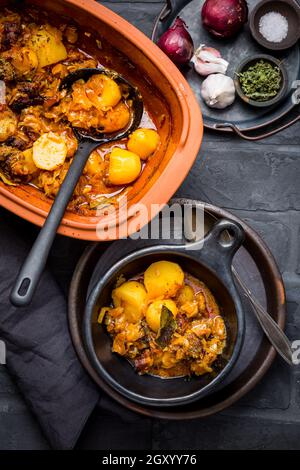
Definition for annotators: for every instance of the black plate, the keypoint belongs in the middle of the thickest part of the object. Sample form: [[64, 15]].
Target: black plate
[[239, 116], [257, 268]]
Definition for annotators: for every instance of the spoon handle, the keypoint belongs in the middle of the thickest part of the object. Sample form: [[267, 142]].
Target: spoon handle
[[273, 332], [30, 273]]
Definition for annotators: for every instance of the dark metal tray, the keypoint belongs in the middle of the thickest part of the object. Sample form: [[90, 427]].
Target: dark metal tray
[[240, 117], [257, 268]]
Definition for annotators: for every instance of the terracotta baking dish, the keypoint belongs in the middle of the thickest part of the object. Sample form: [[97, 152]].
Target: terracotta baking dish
[[144, 64]]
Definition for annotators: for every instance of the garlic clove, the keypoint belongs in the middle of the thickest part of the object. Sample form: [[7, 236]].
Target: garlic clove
[[208, 69], [211, 50], [208, 60]]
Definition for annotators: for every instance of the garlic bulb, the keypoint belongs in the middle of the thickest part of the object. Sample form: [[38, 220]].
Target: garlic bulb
[[218, 91], [208, 60]]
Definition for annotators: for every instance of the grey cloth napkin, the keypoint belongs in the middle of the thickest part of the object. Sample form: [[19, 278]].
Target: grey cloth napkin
[[40, 355]]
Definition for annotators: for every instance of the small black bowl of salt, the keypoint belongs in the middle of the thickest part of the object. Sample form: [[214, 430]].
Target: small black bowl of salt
[[275, 25]]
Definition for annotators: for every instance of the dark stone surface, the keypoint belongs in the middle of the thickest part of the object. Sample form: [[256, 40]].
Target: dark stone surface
[[137, 13], [276, 233], [243, 177], [219, 432], [107, 431], [273, 392], [260, 183], [18, 428]]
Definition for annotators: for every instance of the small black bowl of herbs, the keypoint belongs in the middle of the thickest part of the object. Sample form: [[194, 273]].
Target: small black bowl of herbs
[[261, 80]]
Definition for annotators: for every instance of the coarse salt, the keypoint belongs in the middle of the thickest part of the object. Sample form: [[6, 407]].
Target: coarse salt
[[273, 26]]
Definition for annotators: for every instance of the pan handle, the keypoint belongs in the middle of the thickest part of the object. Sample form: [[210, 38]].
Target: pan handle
[[32, 268], [213, 249], [217, 251], [172, 6], [263, 135], [293, 116]]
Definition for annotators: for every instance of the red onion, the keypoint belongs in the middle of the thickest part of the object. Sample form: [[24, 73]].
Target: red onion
[[224, 18], [177, 43]]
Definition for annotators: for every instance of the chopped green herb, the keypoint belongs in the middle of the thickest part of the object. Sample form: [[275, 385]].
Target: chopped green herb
[[167, 327], [261, 81]]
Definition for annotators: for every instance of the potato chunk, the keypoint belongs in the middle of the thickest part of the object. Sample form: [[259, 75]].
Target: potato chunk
[[186, 294], [8, 125], [46, 41], [25, 61], [124, 166], [95, 165], [143, 142], [28, 162], [103, 92], [132, 297], [168, 360], [163, 279], [116, 118], [49, 151], [153, 312]]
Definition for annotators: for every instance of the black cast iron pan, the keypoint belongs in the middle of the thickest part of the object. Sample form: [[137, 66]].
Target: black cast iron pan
[[209, 260]]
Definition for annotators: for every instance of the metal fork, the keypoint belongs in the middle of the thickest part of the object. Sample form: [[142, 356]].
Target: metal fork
[[271, 329]]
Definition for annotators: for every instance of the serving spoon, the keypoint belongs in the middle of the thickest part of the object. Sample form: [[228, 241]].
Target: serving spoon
[[32, 268]]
